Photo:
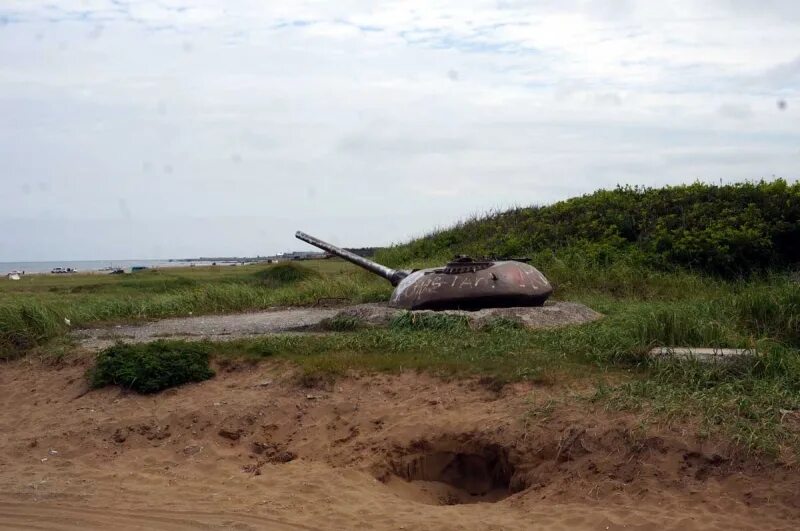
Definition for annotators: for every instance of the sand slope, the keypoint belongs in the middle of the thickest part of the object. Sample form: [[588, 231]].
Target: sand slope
[[252, 450]]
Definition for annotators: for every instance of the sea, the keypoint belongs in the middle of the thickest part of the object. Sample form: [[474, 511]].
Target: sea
[[85, 266]]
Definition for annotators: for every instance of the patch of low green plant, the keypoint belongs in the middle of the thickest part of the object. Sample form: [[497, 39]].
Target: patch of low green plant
[[446, 352], [342, 323], [500, 325], [429, 321], [284, 274], [745, 399], [151, 367]]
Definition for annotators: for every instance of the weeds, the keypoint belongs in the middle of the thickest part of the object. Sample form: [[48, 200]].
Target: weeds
[[744, 400], [772, 313], [284, 274], [501, 325], [26, 326], [152, 367], [429, 321], [342, 323]]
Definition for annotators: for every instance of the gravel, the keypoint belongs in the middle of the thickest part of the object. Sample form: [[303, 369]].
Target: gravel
[[299, 320], [211, 327]]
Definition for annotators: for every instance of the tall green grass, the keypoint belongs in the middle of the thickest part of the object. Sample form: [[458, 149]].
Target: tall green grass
[[745, 399], [772, 311], [25, 326], [30, 316]]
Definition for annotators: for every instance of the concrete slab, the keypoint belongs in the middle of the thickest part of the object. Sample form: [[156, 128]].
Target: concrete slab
[[704, 354]]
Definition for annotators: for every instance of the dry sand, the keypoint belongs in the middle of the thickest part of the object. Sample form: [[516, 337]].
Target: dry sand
[[250, 449]]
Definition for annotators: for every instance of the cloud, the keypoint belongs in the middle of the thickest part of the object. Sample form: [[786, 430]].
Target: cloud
[[396, 116], [784, 76], [735, 112]]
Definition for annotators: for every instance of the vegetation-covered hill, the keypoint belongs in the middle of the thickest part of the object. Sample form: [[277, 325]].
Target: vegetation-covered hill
[[727, 230]]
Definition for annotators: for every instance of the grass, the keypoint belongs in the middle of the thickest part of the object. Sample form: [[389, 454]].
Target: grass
[[746, 401], [430, 321], [149, 368], [342, 323], [33, 310], [285, 274], [504, 357]]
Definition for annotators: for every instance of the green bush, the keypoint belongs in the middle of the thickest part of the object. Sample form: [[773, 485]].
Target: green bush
[[723, 230], [152, 367], [284, 274]]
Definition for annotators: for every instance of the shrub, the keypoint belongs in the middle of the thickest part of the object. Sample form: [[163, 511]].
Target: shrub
[[723, 230], [284, 274], [151, 367]]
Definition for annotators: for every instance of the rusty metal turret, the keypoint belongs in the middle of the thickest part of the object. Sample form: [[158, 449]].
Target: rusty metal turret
[[463, 283]]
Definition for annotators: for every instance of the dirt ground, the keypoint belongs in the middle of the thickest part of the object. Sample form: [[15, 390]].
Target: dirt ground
[[251, 449]]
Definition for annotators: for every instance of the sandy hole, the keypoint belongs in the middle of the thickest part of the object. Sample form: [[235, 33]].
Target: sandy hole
[[447, 477]]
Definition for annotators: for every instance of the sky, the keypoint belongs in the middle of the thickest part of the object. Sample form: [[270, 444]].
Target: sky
[[177, 128]]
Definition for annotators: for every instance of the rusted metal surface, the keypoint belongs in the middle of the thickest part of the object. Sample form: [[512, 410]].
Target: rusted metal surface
[[463, 284], [500, 285]]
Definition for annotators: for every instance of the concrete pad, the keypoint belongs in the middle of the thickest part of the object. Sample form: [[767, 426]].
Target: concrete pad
[[704, 354], [553, 314]]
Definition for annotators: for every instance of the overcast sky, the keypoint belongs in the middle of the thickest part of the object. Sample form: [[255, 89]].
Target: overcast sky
[[175, 128]]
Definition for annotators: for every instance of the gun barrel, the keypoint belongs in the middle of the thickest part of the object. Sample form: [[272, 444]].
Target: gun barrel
[[392, 275]]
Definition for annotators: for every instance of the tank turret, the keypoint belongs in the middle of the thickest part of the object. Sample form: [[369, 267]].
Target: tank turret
[[463, 283]]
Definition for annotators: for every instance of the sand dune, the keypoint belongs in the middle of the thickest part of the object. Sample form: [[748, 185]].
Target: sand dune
[[252, 450]]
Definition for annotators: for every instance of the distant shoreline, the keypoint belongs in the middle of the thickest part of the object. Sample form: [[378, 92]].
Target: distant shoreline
[[89, 266], [102, 266]]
